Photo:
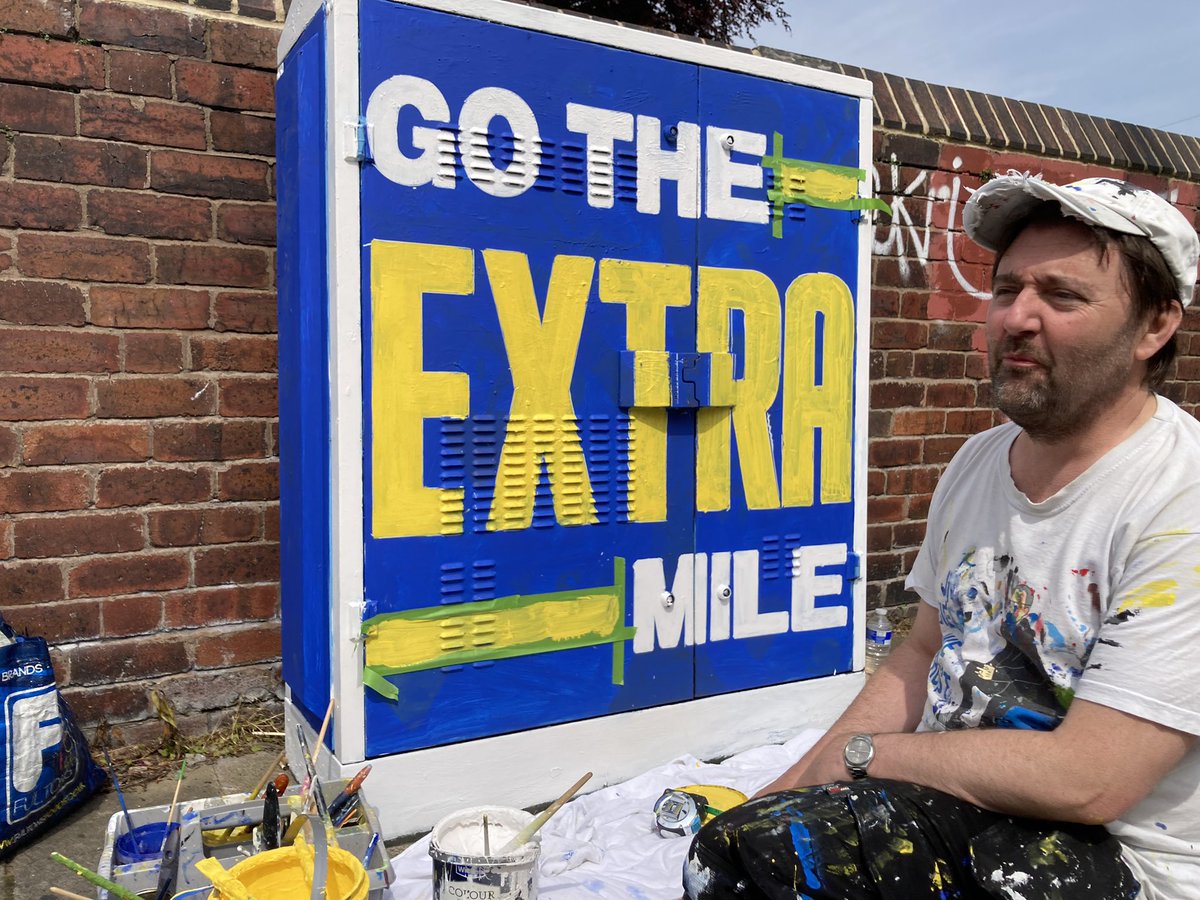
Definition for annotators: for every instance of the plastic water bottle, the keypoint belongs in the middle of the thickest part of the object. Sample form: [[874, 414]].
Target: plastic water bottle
[[879, 638]]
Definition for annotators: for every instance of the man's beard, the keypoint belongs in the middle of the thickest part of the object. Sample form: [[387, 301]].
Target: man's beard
[[1055, 401]]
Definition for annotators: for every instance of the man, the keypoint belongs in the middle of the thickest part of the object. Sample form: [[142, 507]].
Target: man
[[1048, 687]]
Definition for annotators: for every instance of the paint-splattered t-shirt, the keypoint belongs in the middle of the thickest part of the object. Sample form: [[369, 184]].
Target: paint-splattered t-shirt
[[1093, 593]]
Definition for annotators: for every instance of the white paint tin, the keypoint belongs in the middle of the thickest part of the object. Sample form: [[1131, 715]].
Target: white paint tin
[[461, 869]]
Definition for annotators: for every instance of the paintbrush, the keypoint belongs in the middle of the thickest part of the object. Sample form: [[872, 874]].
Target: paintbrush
[[112, 773], [320, 741], [70, 895], [342, 801], [169, 852], [531, 829], [114, 889], [270, 821]]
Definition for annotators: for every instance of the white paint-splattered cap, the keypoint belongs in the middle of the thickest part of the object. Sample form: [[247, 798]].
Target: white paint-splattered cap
[[1003, 202]]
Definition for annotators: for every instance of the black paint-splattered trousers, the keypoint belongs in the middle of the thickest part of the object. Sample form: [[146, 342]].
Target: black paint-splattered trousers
[[889, 840]]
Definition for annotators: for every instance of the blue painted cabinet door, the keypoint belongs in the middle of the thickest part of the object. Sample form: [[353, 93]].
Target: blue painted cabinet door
[[500, 287], [596, 474]]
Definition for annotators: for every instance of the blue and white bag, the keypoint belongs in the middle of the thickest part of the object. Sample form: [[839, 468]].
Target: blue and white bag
[[47, 769]]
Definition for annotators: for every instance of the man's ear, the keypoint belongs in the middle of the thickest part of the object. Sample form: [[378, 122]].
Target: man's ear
[[1159, 329]]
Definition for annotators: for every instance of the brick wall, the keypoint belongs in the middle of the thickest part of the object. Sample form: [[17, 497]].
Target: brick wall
[[138, 479], [137, 352]]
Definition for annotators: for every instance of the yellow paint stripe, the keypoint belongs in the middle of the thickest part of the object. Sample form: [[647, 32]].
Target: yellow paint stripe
[[1152, 593], [402, 643]]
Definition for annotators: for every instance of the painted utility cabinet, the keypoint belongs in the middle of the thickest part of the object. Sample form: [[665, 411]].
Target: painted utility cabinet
[[573, 350]]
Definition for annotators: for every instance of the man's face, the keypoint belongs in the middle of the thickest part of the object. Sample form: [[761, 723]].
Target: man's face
[[1060, 331]]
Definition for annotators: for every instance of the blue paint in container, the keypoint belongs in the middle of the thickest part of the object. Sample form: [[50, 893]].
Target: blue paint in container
[[142, 844]]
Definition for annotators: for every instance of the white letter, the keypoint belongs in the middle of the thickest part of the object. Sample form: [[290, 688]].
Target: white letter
[[723, 174], [807, 585], [34, 726], [654, 613], [477, 113], [681, 165], [383, 116], [747, 620], [602, 127]]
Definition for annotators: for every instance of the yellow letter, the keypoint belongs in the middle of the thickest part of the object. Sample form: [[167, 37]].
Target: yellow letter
[[647, 289], [403, 394], [720, 292], [541, 424], [807, 405]]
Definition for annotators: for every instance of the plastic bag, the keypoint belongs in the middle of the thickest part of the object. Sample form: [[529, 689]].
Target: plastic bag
[[47, 770]]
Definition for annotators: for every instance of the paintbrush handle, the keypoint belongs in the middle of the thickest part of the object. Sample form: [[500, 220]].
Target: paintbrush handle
[[70, 895], [542, 818], [95, 878]]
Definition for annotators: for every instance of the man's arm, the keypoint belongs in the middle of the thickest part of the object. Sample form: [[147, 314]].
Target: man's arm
[[891, 701]]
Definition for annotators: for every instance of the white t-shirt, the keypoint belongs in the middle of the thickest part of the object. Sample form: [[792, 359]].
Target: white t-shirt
[[1093, 593]]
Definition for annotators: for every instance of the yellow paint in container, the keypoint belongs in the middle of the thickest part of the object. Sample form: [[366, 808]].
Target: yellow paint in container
[[287, 874]]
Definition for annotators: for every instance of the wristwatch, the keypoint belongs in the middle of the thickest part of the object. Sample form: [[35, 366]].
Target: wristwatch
[[857, 756]]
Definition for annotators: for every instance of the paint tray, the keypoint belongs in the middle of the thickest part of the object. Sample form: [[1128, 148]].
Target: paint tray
[[212, 816]]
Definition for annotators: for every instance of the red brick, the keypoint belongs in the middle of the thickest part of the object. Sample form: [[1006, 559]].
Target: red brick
[[215, 525], [898, 364], [885, 509], [234, 354], [151, 307], [27, 582], [43, 206], [94, 706], [127, 574], [150, 215], [950, 395], [228, 87], [914, 480], [217, 606], [127, 616], [42, 398], [249, 481], [139, 72], [103, 662], [255, 643], [248, 397], [238, 564], [939, 365], [894, 394], [918, 421], [76, 161], [10, 455], [141, 121], [81, 535], [271, 522], [23, 491], [970, 421], [136, 397], [204, 264], [191, 441], [885, 454], [59, 624], [244, 223], [142, 485], [46, 350], [142, 27], [951, 336], [206, 175], [242, 133], [153, 352], [243, 44], [52, 17], [40, 303], [52, 63], [55, 445], [899, 334], [257, 9], [940, 449], [81, 258], [247, 312], [25, 108]]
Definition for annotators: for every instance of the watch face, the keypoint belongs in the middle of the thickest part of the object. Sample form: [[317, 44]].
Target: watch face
[[859, 751]]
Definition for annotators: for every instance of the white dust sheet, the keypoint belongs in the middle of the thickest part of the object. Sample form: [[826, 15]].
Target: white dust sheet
[[603, 844]]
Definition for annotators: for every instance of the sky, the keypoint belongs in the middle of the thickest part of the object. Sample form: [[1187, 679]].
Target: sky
[[1134, 61]]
